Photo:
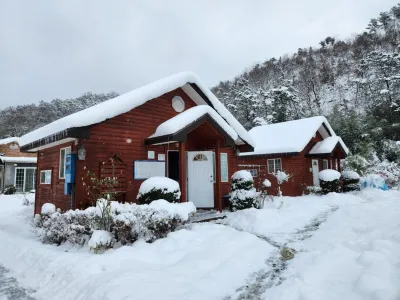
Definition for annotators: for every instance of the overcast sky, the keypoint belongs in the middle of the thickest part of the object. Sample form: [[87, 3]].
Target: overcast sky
[[61, 49]]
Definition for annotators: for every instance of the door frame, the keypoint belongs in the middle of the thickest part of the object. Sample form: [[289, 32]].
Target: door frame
[[312, 170], [212, 183]]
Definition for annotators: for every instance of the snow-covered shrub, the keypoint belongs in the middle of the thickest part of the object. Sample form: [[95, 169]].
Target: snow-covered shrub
[[391, 151], [390, 172], [351, 181], [311, 190], [281, 177], [10, 190], [329, 181], [72, 226], [100, 241], [243, 194], [158, 187], [129, 222], [356, 163]]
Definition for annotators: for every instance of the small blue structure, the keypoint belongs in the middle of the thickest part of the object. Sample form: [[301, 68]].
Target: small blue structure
[[374, 181]]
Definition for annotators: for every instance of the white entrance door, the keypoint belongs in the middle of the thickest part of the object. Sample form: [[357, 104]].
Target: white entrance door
[[315, 171], [201, 178]]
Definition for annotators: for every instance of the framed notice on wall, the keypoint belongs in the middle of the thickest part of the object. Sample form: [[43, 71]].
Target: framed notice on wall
[[143, 169]]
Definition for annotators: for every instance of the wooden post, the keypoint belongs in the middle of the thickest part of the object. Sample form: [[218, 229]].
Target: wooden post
[[338, 163], [182, 170], [218, 174]]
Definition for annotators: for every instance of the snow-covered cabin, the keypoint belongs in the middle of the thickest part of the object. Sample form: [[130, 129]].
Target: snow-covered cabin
[[16, 168], [174, 127], [301, 148]]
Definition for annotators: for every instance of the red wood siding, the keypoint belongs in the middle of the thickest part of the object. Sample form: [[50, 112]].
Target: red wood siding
[[49, 159]]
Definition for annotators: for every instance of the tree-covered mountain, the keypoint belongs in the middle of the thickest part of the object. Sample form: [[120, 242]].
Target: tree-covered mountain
[[18, 120], [354, 82]]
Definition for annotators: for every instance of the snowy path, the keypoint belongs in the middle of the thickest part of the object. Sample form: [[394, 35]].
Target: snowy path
[[10, 289], [272, 274]]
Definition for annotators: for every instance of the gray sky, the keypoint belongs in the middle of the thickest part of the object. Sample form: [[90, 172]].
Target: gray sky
[[60, 49]]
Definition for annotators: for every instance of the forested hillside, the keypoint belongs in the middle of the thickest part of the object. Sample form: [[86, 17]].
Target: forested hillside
[[18, 120], [354, 82]]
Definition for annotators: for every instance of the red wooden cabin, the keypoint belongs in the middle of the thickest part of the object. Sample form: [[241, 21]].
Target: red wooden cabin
[[156, 130], [300, 148]]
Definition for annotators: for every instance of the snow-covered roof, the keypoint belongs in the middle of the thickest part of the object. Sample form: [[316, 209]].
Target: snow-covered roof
[[19, 159], [287, 137], [126, 102], [328, 145], [189, 116], [9, 140]]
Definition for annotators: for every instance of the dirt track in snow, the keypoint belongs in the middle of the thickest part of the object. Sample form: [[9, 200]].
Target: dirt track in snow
[[272, 274]]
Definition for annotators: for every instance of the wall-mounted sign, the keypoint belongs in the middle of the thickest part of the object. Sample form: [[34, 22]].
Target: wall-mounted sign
[[143, 169], [161, 156], [151, 155]]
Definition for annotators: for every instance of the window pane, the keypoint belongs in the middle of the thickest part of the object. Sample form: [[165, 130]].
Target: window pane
[[42, 176], [271, 168], [325, 164], [30, 177], [278, 165], [224, 167], [19, 179]]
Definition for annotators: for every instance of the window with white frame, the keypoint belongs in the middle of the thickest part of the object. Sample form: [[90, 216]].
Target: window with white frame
[[25, 179], [274, 165], [224, 167], [63, 155], [325, 164], [45, 177]]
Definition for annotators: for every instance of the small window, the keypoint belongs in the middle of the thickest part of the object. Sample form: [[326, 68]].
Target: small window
[[45, 177], [253, 172], [224, 167], [325, 164], [274, 165], [200, 157], [63, 154]]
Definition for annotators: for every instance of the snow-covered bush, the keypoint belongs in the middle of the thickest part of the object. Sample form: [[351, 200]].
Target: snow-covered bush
[[72, 226], [311, 190], [128, 222], [329, 181], [281, 177], [10, 190], [243, 194], [351, 181], [356, 163], [101, 241], [158, 187], [390, 172]]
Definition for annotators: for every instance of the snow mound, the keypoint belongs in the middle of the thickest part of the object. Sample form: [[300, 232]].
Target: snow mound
[[329, 175], [48, 208], [242, 175], [183, 210], [159, 182], [350, 175], [100, 238]]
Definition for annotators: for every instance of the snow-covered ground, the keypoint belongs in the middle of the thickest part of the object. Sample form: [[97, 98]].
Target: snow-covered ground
[[347, 248]]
